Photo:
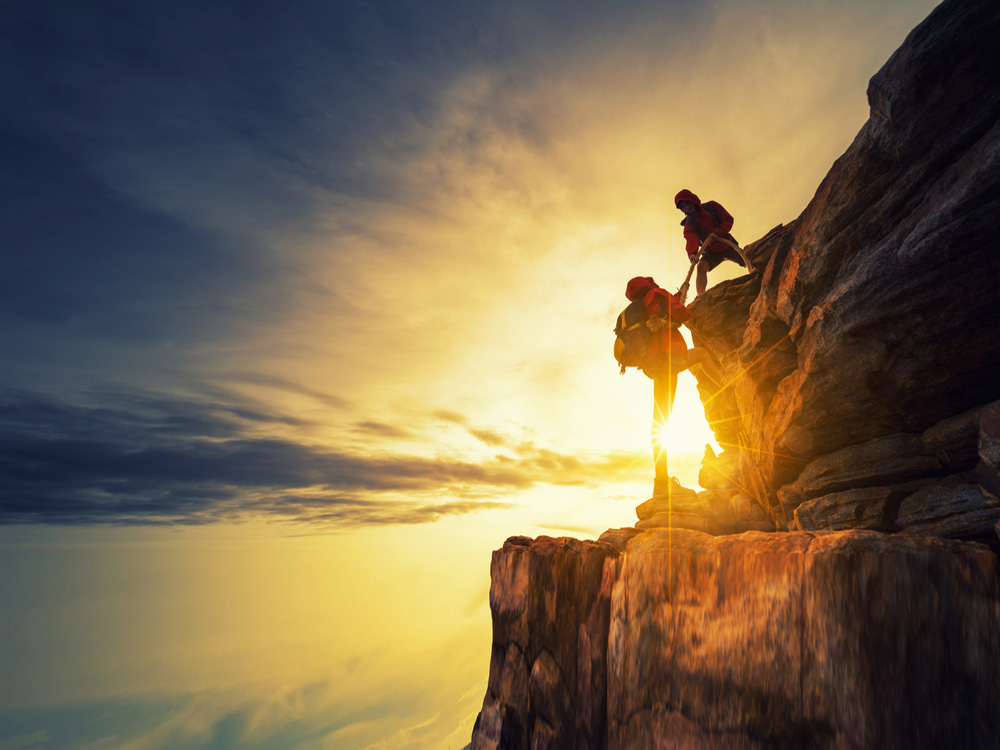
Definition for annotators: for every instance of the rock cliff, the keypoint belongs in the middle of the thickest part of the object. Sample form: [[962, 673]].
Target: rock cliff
[[837, 582], [680, 639], [863, 361]]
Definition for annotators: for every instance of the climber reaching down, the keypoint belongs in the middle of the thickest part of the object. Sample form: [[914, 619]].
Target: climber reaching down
[[706, 228]]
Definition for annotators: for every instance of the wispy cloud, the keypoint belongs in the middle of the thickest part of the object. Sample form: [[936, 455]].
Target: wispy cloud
[[34, 741], [155, 460], [383, 430], [489, 437], [263, 718]]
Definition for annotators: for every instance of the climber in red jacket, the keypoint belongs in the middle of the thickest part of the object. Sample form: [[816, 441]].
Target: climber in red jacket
[[702, 221], [667, 355]]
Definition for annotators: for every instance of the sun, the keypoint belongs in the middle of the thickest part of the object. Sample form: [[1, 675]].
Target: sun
[[687, 430]]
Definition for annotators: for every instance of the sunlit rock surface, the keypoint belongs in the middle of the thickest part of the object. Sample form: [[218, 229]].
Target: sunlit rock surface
[[877, 308], [802, 640], [760, 640], [550, 600]]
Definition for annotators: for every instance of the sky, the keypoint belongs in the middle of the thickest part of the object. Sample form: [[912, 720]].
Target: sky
[[307, 306]]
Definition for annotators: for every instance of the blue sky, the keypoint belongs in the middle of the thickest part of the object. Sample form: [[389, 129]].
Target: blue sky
[[246, 222]]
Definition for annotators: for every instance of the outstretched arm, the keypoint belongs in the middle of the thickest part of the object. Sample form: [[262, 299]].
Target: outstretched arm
[[692, 242]]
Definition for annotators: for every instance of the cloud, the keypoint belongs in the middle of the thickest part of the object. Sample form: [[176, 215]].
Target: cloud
[[33, 741], [281, 384], [142, 459], [325, 712], [381, 429], [489, 437], [453, 417], [210, 720], [89, 256]]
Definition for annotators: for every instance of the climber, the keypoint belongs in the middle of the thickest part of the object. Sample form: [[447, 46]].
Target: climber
[[706, 228], [666, 356]]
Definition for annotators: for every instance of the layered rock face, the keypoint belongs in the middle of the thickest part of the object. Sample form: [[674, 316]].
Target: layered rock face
[[550, 600], [801, 640], [837, 582], [873, 326], [679, 639]]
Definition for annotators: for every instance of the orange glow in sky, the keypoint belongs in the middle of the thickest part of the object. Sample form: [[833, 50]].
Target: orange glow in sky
[[351, 330]]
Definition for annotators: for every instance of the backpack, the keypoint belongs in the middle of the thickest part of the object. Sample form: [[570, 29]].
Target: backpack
[[632, 336]]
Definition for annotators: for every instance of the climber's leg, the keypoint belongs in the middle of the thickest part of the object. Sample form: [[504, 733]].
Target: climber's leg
[[701, 279], [701, 357], [663, 401]]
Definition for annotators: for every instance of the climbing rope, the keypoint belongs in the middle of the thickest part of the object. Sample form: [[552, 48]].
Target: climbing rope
[[683, 290]]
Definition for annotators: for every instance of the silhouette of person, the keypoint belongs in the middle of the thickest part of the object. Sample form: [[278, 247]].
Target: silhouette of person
[[666, 357], [701, 222]]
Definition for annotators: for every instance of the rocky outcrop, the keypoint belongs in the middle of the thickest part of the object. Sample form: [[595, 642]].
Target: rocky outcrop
[[722, 509], [876, 315], [550, 600], [921, 483], [801, 640], [761, 640], [837, 582]]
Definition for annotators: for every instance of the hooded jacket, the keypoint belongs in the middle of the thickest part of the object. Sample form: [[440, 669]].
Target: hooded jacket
[[660, 303], [700, 224]]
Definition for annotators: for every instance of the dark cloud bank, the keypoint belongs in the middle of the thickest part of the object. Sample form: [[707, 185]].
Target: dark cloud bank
[[155, 460]]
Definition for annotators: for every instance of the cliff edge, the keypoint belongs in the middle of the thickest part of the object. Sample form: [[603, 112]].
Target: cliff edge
[[851, 639], [837, 582], [864, 362]]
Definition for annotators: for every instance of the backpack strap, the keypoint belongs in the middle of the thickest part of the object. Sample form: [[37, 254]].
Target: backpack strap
[[713, 213]]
